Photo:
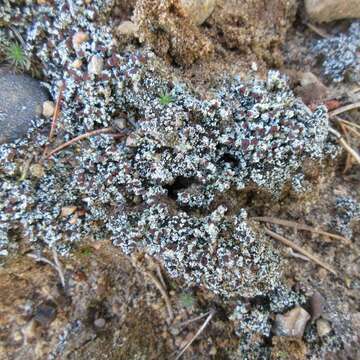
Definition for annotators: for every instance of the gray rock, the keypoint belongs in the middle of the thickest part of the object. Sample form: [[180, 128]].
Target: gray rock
[[198, 10], [329, 10], [21, 99], [291, 323], [323, 327]]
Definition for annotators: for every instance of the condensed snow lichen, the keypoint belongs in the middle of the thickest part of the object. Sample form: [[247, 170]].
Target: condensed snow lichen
[[162, 186]]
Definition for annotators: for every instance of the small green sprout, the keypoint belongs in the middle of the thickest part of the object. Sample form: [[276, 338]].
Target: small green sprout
[[86, 251], [165, 98], [187, 300], [15, 55]]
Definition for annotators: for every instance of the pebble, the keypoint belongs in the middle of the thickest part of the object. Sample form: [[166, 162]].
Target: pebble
[[45, 313], [48, 108], [131, 141], [120, 123], [198, 10], [291, 323], [96, 65], [68, 210], [126, 28], [317, 304], [311, 89], [79, 38], [37, 170], [21, 100], [76, 64], [323, 327], [329, 10], [100, 323]]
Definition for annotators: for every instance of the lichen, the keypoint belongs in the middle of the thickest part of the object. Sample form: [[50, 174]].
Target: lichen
[[161, 185], [338, 54]]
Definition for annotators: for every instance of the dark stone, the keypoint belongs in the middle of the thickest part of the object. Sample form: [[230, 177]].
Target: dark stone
[[21, 99], [45, 313]]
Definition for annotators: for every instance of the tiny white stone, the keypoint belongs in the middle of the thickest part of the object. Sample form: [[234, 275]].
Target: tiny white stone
[[48, 108], [95, 65]]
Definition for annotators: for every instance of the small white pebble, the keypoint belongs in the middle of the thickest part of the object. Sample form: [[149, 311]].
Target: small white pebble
[[131, 141], [78, 38], [323, 327], [76, 64], [48, 108], [95, 65], [100, 323], [126, 28]]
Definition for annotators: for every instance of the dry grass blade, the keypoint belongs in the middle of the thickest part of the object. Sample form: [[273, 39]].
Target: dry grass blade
[[163, 293], [56, 112], [80, 137], [201, 329], [298, 226], [347, 122], [55, 265], [187, 322], [352, 130], [159, 274], [345, 145], [343, 109], [58, 267], [299, 249], [317, 30], [348, 162]]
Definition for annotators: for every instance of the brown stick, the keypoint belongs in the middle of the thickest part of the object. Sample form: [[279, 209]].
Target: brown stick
[[317, 30], [201, 329], [348, 162], [345, 145], [352, 130], [56, 112], [299, 250], [78, 138], [296, 226], [163, 293], [349, 123], [343, 109]]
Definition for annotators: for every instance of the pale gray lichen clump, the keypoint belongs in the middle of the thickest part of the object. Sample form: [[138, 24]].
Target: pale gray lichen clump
[[162, 186], [339, 55]]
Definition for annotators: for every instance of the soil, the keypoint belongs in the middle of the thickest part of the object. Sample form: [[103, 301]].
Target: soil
[[110, 308]]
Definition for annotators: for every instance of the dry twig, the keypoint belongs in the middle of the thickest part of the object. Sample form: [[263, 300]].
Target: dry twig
[[56, 112], [187, 322], [347, 122], [81, 137], [163, 293], [201, 329], [298, 226], [352, 130], [344, 108], [345, 145], [348, 162], [55, 265], [159, 274], [299, 249], [317, 30]]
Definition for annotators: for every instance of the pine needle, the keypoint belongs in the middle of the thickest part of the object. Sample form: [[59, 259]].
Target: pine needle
[[298, 226], [163, 293], [299, 249], [345, 145], [317, 30], [348, 162], [347, 122], [343, 109], [201, 329], [56, 112], [55, 265], [81, 137]]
